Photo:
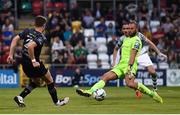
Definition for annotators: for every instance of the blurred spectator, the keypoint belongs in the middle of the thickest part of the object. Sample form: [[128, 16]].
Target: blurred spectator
[[75, 12], [172, 56], [98, 12], [91, 46], [163, 12], [7, 31], [88, 19], [76, 26], [177, 43], [69, 53], [101, 28], [159, 34], [58, 57], [80, 53], [77, 77], [171, 34], [54, 19], [57, 44], [77, 36], [161, 45], [68, 33], [57, 31], [111, 44], [109, 15], [155, 14], [110, 30], [173, 65], [143, 12], [167, 26], [4, 53]]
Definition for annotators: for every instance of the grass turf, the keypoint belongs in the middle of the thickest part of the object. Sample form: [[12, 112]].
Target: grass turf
[[118, 101]]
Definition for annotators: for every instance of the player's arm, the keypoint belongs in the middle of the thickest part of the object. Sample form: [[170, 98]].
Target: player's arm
[[14, 42], [31, 46], [153, 46], [115, 55], [135, 48]]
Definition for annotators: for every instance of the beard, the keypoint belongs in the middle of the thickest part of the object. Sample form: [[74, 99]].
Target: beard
[[133, 34]]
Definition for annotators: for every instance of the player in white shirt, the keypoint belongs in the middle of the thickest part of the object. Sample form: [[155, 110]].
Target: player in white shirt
[[143, 58]]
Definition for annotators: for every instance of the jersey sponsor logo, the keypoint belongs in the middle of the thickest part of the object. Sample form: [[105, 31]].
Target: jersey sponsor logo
[[137, 45]]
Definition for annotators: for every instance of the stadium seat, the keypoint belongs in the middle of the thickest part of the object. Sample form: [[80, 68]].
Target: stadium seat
[[86, 39], [154, 29], [103, 57], [101, 40], [105, 65], [109, 39], [91, 57], [92, 65], [163, 65], [102, 49], [88, 32], [107, 23], [154, 23], [141, 24], [96, 23]]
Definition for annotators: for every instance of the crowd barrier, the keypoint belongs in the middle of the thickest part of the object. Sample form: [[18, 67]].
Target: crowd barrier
[[63, 77]]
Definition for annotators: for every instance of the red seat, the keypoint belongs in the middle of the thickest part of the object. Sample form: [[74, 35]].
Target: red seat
[[58, 5], [37, 7], [50, 5]]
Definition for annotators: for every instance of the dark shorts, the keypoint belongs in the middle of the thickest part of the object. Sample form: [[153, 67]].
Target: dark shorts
[[31, 71]]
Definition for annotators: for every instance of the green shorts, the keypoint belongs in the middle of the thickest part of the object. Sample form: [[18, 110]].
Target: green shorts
[[121, 69]]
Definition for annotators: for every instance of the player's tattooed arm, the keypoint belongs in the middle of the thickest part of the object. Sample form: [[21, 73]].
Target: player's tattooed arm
[[153, 46], [12, 48], [31, 46]]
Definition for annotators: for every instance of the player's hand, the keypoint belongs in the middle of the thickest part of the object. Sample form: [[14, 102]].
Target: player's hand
[[36, 64], [10, 59], [162, 55], [113, 64], [129, 72]]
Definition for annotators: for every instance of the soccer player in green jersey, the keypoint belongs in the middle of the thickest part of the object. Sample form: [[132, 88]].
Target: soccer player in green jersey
[[143, 57], [126, 68]]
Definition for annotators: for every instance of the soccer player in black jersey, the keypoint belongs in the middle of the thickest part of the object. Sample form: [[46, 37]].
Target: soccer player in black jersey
[[33, 40]]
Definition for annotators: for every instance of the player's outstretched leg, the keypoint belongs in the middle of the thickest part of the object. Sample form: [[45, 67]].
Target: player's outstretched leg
[[20, 99], [99, 85], [154, 79], [88, 93], [52, 91], [147, 91], [138, 94], [154, 76]]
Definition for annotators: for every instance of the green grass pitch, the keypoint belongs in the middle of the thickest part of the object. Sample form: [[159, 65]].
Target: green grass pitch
[[118, 101]]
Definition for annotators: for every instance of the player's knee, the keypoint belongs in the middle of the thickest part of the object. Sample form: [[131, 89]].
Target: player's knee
[[131, 85], [151, 70]]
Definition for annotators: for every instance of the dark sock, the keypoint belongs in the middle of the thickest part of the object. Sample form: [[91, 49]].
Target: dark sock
[[28, 89], [154, 79], [53, 92]]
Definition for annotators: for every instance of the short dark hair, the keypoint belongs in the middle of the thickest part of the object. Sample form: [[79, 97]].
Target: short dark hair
[[133, 22], [40, 21]]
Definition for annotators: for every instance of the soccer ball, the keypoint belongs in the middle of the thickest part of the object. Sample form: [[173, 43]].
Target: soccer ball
[[99, 94]]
